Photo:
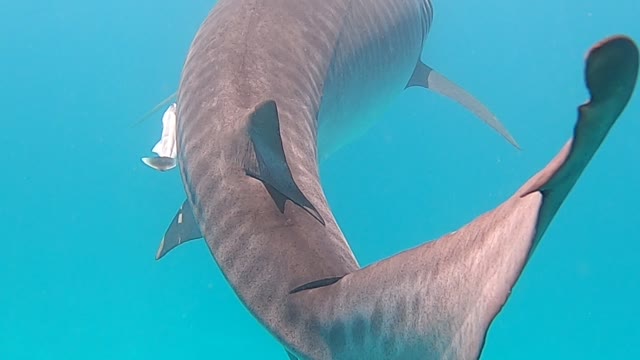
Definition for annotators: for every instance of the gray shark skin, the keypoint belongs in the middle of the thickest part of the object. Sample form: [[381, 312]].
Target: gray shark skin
[[268, 89], [278, 82], [263, 83], [271, 87]]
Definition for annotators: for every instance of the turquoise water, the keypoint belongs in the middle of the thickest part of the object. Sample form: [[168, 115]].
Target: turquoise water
[[82, 216]]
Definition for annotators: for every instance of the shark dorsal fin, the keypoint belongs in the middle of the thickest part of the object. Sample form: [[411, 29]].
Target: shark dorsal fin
[[267, 161]]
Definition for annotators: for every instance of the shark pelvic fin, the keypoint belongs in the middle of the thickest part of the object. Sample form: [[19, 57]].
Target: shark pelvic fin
[[267, 161], [425, 76], [183, 228]]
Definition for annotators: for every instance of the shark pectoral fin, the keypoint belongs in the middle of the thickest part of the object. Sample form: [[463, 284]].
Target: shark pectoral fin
[[611, 74], [183, 228], [267, 162], [425, 76], [291, 356], [160, 163]]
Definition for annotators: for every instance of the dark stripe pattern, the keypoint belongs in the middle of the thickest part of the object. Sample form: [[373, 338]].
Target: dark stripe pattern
[[303, 54]]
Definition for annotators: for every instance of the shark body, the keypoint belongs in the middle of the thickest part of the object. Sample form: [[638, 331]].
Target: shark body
[[271, 87]]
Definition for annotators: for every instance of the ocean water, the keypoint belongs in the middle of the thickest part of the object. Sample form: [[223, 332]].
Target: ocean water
[[82, 217]]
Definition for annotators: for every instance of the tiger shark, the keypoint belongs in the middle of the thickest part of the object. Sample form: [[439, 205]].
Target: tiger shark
[[268, 89]]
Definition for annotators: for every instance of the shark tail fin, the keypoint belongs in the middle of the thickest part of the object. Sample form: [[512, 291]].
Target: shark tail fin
[[610, 75], [183, 228], [447, 292], [267, 161], [425, 76]]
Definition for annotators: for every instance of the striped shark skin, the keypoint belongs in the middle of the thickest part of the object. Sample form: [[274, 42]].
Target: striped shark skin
[[365, 55], [271, 87]]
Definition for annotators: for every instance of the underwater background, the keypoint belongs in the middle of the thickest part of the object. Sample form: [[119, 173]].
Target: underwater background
[[82, 217]]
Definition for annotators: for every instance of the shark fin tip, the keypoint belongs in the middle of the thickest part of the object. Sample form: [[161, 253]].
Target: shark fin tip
[[160, 253]]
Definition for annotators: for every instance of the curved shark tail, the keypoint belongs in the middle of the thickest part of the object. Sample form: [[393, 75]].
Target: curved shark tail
[[438, 300]]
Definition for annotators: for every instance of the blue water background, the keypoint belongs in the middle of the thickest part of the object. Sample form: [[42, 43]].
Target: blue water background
[[81, 217]]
